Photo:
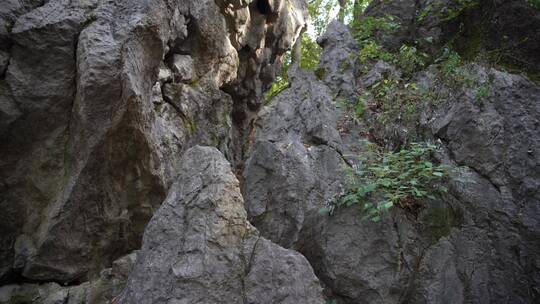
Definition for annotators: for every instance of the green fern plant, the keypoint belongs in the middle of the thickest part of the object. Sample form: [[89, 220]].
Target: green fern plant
[[405, 178]]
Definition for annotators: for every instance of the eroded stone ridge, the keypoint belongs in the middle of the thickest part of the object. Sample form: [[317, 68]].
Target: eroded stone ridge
[[98, 102], [200, 248]]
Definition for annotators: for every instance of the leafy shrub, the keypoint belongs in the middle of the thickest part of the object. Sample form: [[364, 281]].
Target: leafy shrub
[[534, 3], [311, 54], [279, 85], [450, 62], [424, 13], [394, 101], [366, 27], [405, 178], [373, 51], [409, 59], [364, 31], [482, 92]]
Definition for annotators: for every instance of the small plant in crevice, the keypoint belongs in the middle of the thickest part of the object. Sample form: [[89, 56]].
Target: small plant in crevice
[[424, 13], [454, 74], [450, 62], [310, 58], [365, 28], [406, 178], [394, 100], [482, 93], [372, 51], [409, 59], [280, 84], [364, 31], [355, 110]]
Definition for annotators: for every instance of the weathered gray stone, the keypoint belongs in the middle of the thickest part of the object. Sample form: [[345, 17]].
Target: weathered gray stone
[[164, 75], [204, 112], [200, 248], [183, 68], [93, 126], [89, 147], [338, 61], [379, 71], [462, 247], [295, 165], [10, 10], [402, 12], [102, 290], [358, 260], [478, 244], [4, 60]]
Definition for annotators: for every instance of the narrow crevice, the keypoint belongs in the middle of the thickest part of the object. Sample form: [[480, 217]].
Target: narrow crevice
[[263, 6], [453, 158], [247, 269], [19, 279]]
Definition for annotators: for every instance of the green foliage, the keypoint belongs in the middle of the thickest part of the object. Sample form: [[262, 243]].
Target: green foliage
[[409, 59], [534, 3], [424, 13], [360, 107], [356, 109], [320, 12], [320, 72], [450, 62], [310, 50], [373, 51], [482, 93], [365, 28], [447, 11], [454, 74], [311, 53], [456, 8], [279, 85], [395, 100], [405, 178]]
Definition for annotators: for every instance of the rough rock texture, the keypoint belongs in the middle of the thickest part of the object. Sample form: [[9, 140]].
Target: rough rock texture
[[507, 30], [100, 100], [95, 115], [200, 248], [476, 244], [102, 290], [338, 61], [295, 161], [403, 13]]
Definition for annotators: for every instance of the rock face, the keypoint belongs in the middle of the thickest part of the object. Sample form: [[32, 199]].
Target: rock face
[[105, 107], [295, 161], [98, 102], [101, 290], [476, 244], [200, 248], [338, 61], [469, 25]]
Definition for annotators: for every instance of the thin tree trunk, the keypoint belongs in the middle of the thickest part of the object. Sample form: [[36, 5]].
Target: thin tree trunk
[[296, 54], [342, 7], [357, 12]]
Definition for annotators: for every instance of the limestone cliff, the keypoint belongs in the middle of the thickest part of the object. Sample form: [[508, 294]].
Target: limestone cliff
[[140, 163]]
